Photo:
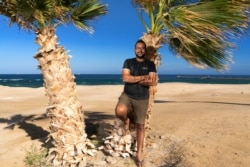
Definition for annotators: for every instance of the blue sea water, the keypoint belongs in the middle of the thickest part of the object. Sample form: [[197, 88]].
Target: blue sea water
[[35, 80]]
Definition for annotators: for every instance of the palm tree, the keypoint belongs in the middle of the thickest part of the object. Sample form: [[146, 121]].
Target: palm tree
[[67, 127], [200, 31]]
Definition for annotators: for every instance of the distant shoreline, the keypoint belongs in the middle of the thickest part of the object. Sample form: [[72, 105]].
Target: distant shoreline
[[36, 80], [159, 74], [213, 77]]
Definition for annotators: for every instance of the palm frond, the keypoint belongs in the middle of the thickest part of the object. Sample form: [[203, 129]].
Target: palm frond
[[154, 10], [36, 14], [202, 32], [200, 52], [87, 11]]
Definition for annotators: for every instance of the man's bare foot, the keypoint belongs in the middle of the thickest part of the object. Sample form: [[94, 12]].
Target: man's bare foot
[[139, 160], [140, 163]]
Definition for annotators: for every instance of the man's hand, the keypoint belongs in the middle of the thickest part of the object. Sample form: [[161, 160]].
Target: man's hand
[[148, 80]]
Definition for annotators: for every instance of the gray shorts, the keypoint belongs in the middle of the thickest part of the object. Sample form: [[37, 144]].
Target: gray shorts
[[136, 108]]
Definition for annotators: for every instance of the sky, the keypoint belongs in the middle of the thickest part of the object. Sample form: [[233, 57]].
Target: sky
[[104, 51]]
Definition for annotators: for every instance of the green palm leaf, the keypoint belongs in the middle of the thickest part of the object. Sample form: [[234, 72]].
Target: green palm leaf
[[202, 33], [35, 14], [85, 12]]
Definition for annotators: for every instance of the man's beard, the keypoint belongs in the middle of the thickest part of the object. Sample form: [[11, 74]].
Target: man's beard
[[140, 57]]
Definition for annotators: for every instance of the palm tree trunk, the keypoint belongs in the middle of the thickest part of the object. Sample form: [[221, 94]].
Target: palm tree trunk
[[67, 128], [153, 42]]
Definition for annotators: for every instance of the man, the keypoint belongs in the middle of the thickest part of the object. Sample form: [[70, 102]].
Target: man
[[137, 74]]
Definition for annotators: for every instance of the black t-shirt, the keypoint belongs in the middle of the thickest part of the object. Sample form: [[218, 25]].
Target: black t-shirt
[[135, 90]]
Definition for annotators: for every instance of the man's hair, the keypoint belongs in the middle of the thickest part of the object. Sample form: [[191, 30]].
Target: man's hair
[[140, 41]]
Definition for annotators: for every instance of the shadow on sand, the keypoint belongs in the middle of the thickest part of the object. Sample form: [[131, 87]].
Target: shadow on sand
[[93, 122], [27, 124], [212, 102], [98, 123]]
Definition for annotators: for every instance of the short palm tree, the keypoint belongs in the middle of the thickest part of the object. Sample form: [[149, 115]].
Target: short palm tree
[[200, 31], [67, 127]]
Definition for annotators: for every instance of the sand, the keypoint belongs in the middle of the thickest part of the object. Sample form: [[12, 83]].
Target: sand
[[192, 125]]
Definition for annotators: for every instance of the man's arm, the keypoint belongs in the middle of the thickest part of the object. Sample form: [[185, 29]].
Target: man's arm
[[128, 78], [149, 80]]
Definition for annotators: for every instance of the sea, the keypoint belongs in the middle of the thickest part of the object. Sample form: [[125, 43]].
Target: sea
[[35, 80]]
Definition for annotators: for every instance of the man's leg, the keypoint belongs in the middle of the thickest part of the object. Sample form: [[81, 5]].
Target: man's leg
[[140, 130], [121, 112]]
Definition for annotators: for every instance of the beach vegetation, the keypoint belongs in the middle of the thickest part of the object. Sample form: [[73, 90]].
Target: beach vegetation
[[67, 128], [202, 32], [35, 157]]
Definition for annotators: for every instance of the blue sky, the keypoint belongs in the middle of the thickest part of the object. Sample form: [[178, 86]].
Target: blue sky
[[104, 51]]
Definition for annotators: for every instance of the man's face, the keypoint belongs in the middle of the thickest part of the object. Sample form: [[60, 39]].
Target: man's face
[[140, 50]]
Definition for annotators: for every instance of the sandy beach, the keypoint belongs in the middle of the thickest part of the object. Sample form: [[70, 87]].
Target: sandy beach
[[192, 125]]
